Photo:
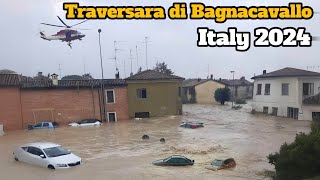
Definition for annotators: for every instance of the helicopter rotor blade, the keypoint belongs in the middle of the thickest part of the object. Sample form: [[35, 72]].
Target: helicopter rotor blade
[[81, 29], [52, 25], [63, 22], [79, 23]]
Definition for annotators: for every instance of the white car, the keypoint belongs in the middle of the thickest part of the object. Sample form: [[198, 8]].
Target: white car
[[45, 154], [86, 122]]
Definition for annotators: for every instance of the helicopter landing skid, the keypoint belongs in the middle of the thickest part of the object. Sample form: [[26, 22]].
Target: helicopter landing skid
[[69, 44]]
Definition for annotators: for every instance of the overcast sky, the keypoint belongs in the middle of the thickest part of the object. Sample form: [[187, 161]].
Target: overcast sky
[[174, 42]]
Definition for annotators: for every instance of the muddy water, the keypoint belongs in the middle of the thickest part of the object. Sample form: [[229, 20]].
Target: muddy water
[[116, 151]]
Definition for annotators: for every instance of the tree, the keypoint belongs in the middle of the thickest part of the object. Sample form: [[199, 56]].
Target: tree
[[222, 95], [72, 77], [300, 159], [163, 67], [87, 76]]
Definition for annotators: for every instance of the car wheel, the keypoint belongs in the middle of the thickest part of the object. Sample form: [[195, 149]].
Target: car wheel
[[51, 167], [15, 158]]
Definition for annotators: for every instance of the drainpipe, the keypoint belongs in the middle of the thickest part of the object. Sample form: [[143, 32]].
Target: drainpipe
[[93, 103]]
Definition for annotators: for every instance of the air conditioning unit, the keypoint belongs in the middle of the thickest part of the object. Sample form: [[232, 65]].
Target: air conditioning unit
[[1, 130]]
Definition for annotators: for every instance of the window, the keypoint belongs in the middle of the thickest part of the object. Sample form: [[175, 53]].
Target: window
[[285, 89], [267, 89], [142, 93], [38, 125], [45, 125], [274, 111], [259, 89], [35, 151], [292, 112], [112, 117], [308, 89], [110, 96], [142, 115], [265, 110], [316, 116]]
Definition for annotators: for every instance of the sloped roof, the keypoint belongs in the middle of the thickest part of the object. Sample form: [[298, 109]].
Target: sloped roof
[[9, 80], [288, 72], [313, 100], [194, 82], [73, 83], [235, 82], [7, 71], [153, 75]]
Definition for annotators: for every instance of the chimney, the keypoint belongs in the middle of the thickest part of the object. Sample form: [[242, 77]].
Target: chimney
[[242, 78], [54, 77], [219, 79], [39, 73], [117, 75], [264, 72], [211, 76]]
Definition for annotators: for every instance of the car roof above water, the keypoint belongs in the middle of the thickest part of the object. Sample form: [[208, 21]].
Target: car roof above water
[[42, 145]]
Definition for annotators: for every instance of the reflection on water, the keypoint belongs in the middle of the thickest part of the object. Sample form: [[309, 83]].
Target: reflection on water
[[117, 151]]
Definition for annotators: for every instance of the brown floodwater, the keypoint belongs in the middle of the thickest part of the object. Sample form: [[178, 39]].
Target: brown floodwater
[[116, 151]]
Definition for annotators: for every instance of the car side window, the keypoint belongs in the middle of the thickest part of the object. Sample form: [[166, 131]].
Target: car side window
[[83, 122], [35, 151], [45, 125], [38, 125], [92, 121]]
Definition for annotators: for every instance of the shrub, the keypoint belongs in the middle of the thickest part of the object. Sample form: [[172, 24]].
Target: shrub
[[300, 159], [222, 95], [241, 101]]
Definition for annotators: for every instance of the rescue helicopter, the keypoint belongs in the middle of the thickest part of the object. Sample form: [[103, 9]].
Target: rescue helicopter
[[65, 35]]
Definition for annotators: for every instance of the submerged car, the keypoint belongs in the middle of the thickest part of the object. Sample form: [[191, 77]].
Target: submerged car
[[218, 164], [46, 154], [175, 160], [86, 122], [191, 125], [43, 125]]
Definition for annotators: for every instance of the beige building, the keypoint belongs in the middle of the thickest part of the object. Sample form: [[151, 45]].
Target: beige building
[[152, 94], [200, 91]]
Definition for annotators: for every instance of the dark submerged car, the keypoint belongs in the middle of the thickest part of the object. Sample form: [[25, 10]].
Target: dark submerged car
[[218, 164], [191, 125], [175, 160]]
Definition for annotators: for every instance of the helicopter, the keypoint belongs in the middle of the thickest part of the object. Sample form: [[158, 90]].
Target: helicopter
[[66, 35]]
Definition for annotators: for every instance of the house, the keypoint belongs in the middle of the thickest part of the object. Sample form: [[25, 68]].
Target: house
[[152, 93], [200, 91], [240, 88], [288, 92], [63, 101]]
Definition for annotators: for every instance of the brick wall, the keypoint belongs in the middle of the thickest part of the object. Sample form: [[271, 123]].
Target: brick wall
[[10, 108], [60, 105]]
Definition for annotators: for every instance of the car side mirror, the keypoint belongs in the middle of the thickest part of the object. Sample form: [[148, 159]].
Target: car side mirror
[[42, 156]]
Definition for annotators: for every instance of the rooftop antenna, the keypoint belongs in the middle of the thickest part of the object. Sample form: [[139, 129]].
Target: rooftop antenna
[[137, 56], [131, 73], [146, 41], [60, 70], [124, 68], [115, 54]]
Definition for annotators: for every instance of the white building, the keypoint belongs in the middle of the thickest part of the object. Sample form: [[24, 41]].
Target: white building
[[282, 93]]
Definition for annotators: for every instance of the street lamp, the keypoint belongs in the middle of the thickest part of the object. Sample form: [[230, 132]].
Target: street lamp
[[232, 94], [102, 106]]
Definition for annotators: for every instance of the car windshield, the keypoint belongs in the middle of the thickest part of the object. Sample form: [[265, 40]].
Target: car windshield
[[217, 162], [56, 151]]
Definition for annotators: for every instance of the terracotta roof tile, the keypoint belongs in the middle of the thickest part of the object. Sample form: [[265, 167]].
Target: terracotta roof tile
[[288, 72], [153, 75]]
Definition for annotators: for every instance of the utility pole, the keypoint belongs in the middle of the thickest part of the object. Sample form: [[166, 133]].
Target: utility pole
[[234, 90], [102, 102]]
